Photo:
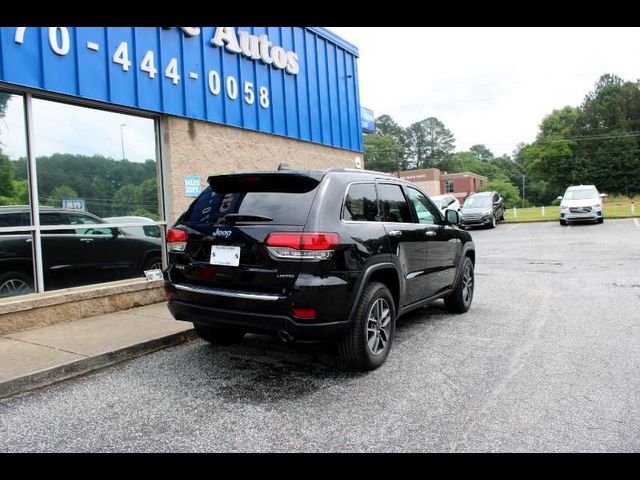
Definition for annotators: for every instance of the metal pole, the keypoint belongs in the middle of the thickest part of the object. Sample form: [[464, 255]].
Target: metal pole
[[33, 191], [122, 138], [522, 191]]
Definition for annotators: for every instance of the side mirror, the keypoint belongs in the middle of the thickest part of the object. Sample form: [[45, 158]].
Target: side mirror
[[452, 216], [602, 195], [559, 197]]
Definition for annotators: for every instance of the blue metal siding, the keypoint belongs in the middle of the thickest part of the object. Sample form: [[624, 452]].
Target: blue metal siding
[[319, 103]]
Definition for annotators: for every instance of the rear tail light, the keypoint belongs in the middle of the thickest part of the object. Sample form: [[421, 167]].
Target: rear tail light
[[304, 246], [177, 240]]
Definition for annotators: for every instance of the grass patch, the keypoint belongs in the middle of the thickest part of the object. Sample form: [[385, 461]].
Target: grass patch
[[614, 207]]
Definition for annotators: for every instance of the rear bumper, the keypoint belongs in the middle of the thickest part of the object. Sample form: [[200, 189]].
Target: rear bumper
[[255, 322]]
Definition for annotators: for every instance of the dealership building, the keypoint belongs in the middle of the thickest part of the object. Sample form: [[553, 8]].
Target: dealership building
[[123, 125]]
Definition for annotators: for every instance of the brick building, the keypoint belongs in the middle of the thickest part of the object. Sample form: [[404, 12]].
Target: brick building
[[434, 182]]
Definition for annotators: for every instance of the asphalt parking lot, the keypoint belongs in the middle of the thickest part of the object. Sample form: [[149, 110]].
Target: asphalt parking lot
[[547, 359]]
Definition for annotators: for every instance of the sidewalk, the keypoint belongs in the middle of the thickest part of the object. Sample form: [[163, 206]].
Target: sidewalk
[[38, 357]]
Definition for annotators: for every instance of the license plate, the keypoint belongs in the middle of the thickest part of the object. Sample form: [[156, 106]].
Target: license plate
[[223, 255]]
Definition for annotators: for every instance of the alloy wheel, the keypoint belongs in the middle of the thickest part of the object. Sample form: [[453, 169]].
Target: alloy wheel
[[467, 285], [13, 287], [379, 327]]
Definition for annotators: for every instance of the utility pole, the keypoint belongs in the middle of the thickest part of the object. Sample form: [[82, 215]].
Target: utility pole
[[122, 138], [522, 191]]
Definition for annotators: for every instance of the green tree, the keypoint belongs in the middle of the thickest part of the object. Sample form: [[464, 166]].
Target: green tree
[[60, 192], [7, 176], [507, 190], [387, 127], [383, 153], [429, 143], [482, 153]]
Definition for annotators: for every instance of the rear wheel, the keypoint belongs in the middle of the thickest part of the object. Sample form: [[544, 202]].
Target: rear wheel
[[15, 283], [367, 345], [503, 217], [218, 336], [460, 300], [152, 263]]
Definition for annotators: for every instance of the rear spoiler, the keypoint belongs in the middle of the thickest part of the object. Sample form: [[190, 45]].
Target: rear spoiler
[[282, 181]]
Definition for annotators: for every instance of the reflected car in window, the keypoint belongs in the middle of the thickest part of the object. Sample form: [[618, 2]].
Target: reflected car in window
[[82, 255], [146, 228]]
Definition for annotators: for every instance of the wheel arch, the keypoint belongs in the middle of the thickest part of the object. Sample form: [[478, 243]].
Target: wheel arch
[[385, 273]]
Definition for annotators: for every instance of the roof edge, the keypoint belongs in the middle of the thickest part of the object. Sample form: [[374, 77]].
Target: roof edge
[[332, 37]]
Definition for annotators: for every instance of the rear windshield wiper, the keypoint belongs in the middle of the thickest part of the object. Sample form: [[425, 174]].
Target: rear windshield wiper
[[240, 217]]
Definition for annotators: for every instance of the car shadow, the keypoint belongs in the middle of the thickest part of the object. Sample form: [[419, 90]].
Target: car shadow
[[263, 369]]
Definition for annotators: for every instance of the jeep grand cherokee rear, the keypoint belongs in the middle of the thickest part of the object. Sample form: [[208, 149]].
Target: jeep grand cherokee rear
[[311, 255]]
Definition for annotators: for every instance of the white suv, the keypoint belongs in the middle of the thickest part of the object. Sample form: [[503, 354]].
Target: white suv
[[581, 203]]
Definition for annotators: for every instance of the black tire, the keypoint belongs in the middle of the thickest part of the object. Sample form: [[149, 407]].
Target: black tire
[[364, 347], [460, 300], [563, 223], [600, 220], [493, 222], [15, 283], [503, 217], [217, 336]]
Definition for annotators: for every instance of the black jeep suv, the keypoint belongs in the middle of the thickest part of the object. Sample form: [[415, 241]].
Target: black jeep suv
[[315, 255]]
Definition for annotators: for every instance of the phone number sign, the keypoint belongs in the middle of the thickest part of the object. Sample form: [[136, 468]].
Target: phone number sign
[[260, 78]]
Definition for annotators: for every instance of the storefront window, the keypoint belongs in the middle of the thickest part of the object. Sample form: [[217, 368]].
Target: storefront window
[[16, 243], [95, 167]]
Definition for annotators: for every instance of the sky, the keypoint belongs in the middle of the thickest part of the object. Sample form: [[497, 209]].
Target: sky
[[63, 128], [490, 86]]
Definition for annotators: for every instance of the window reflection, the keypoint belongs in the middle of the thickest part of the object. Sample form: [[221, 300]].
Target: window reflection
[[94, 167], [16, 245]]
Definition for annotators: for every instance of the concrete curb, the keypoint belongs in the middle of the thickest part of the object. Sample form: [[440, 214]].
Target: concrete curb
[[86, 365]]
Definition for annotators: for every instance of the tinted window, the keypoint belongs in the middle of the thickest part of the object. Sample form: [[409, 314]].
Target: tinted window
[[425, 211], [361, 204], [583, 194], [79, 219], [478, 201], [393, 205], [14, 219], [283, 207]]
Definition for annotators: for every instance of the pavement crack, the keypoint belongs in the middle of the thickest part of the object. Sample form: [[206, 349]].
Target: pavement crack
[[47, 346]]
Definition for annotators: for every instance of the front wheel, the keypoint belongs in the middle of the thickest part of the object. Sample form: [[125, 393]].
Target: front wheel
[[460, 300], [367, 345], [563, 223], [217, 336], [15, 283], [493, 222], [600, 220]]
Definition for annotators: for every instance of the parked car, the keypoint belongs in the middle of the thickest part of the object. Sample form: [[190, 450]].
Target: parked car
[[335, 254], [580, 203], [482, 209], [146, 228], [83, 255], [446, 202]]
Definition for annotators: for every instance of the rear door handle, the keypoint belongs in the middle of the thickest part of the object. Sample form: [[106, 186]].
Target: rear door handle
[[395, 233], [430, 233], [86, 240]]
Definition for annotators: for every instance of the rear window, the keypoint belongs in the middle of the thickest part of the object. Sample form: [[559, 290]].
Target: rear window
[[284, 199]]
